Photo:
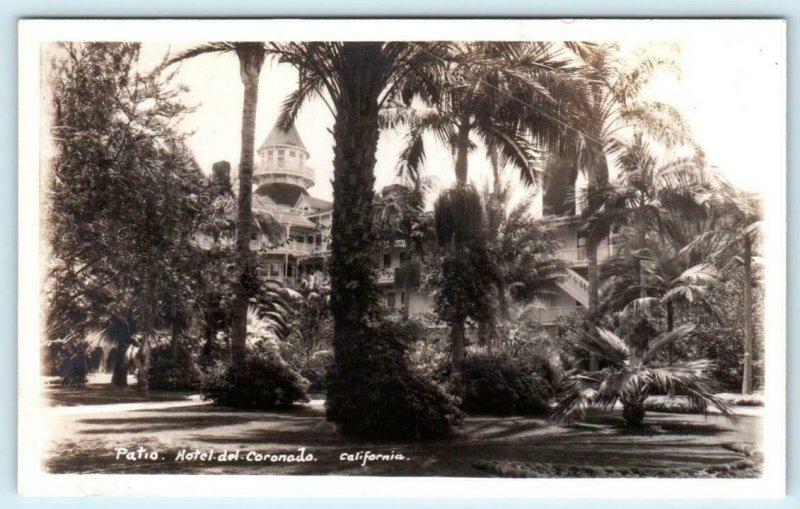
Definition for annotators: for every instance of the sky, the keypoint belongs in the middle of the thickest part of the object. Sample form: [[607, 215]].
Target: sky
[[731, 91]]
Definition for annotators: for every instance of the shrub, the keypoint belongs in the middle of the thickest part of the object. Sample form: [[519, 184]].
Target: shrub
[[173, 371], [69, 360], [499, 385], [676, 405], [262, 381], [755, 399], [373, 392], [316, 369]]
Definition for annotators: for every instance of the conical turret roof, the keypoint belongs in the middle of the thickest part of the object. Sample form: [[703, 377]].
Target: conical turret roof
[[278, 136]]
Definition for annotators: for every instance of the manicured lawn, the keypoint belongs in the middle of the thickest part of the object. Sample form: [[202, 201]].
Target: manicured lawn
[[85, 438]]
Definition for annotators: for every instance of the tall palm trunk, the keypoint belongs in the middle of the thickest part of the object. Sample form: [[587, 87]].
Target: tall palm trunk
[[251, 58], [354, 290], [457, 332], [747, 375], [598, 180], [462, 149]]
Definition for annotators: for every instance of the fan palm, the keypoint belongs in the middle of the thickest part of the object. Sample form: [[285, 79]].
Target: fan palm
[[632, 377], [251, 57]]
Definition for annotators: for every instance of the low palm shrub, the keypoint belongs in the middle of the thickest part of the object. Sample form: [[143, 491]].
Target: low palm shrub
[[500, 385], [630, 378]]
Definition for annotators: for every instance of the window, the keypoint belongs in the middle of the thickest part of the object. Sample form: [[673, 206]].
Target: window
[[318, 240], [291, 153], [310, 239], [403, 257], [390, 300], [269, 153], [581, 241], [289, 270], [274, 269], [281, 152], [387, 260], [402, 298]]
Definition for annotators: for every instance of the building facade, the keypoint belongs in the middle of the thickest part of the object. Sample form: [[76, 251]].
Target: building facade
[[281, 180]]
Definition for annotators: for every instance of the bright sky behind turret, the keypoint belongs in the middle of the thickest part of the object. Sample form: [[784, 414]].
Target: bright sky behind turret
[[731, 92]]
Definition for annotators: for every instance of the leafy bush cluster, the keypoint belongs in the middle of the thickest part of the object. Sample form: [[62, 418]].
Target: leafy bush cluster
[[500, 385], [374, 392], [173, 368], [262, 381]]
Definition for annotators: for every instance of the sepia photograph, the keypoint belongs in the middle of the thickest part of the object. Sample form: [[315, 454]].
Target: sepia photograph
[[467, 250]]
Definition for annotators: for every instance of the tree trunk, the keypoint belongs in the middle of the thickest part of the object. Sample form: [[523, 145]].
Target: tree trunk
[[747, 375], [354, 291], [633, 413], [459, 351], [121, 334], [671, 347], [598, 180], [251, 58], [462, 149], [593, 273], [175, 337], [143, 361]]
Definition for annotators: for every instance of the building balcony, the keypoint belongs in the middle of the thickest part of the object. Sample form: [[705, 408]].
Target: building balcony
[[270, 168], [386, 276], [549, 316], [577, 256]]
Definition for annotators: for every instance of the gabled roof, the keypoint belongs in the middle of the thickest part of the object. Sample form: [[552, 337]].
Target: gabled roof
[[278, 136], [315, 203], [281, 213]]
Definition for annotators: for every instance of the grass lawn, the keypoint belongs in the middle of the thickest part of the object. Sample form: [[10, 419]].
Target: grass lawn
[[85, 438]]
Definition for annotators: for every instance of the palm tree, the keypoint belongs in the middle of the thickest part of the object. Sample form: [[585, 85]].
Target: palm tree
[[521, 249], [251, 57], [355, 80], [649, 194], [735, 239], [671, 281], [632, 377], [614, 105], [514, 97]]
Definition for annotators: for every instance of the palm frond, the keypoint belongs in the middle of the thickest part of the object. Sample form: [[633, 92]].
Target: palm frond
[[203, 49], [665, 339]]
